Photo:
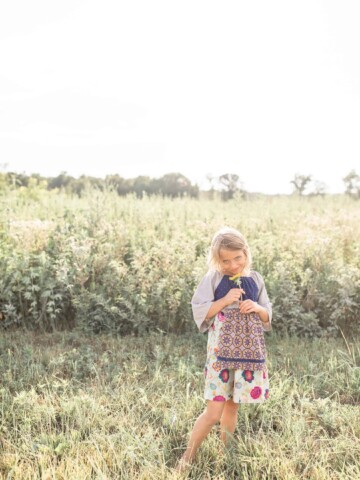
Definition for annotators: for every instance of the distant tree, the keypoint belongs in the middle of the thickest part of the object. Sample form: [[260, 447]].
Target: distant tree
[[62, 181], [17, 179], [176, 185], [352, 183], [83, 183], [231, 183], [300, 182], [121, 185], [143, 185]]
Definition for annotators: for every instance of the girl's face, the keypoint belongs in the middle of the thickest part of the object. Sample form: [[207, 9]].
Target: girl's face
[[232, 261]]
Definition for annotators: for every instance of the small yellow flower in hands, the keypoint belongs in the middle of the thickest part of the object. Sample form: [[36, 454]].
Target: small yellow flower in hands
[[237, 280]]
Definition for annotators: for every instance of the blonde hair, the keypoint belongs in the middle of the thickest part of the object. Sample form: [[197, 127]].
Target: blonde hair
[[228, 239]]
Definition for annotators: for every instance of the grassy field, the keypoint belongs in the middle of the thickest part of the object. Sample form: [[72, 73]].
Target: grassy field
[[101, 407], [101, 365]]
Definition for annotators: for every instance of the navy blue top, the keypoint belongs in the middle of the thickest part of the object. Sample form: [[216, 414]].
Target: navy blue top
[[247, 283]]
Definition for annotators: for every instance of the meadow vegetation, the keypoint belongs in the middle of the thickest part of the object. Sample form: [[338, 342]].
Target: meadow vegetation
[[101, 366], [107, 263], [104, 407]]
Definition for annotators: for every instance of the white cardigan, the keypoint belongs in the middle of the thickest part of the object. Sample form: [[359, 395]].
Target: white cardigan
[[204, 297]]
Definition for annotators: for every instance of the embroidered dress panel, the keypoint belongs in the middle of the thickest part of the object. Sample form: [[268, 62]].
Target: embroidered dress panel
[[241, 341]]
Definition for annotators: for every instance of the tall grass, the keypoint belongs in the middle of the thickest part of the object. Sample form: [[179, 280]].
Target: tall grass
[[106, 263], [104, 407]]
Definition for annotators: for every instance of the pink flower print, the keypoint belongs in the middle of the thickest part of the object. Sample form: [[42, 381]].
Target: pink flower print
[[266, 393], [248, 375], [221, 317], [224, 375], [255, 392], [219, 398], [264, 375], [213, 326]]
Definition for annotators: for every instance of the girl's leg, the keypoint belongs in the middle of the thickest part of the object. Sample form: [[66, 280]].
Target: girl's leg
[[228, 420], [201, 429]]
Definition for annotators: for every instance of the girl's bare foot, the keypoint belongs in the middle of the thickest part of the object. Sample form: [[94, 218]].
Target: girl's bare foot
[[182, 465]]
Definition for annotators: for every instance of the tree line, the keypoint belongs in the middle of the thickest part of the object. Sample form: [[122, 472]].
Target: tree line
[[170, 185], [301, 184]]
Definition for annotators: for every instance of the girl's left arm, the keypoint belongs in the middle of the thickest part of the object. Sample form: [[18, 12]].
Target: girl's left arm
[[264, 304]]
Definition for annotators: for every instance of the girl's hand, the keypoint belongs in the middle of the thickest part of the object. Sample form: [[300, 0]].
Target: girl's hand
[[248, 306], [233, 295]]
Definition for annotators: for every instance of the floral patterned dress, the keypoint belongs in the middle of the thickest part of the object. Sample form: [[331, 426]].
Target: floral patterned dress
[[222, 384], [242, 386]]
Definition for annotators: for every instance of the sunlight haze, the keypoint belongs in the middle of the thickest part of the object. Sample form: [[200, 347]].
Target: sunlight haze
[[261, 89]]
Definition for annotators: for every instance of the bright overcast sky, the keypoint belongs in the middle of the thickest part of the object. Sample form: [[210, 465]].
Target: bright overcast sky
[[262, 89]]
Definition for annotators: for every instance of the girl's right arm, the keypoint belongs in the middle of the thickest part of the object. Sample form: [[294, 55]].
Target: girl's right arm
[[203, 299], [203, 305]]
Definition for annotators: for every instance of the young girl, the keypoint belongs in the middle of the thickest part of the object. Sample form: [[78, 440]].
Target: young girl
[[230, 303]]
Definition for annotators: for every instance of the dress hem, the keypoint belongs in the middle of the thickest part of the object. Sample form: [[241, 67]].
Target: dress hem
[[263, 400]]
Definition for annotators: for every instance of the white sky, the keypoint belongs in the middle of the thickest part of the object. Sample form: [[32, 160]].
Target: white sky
[[261, 89]]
